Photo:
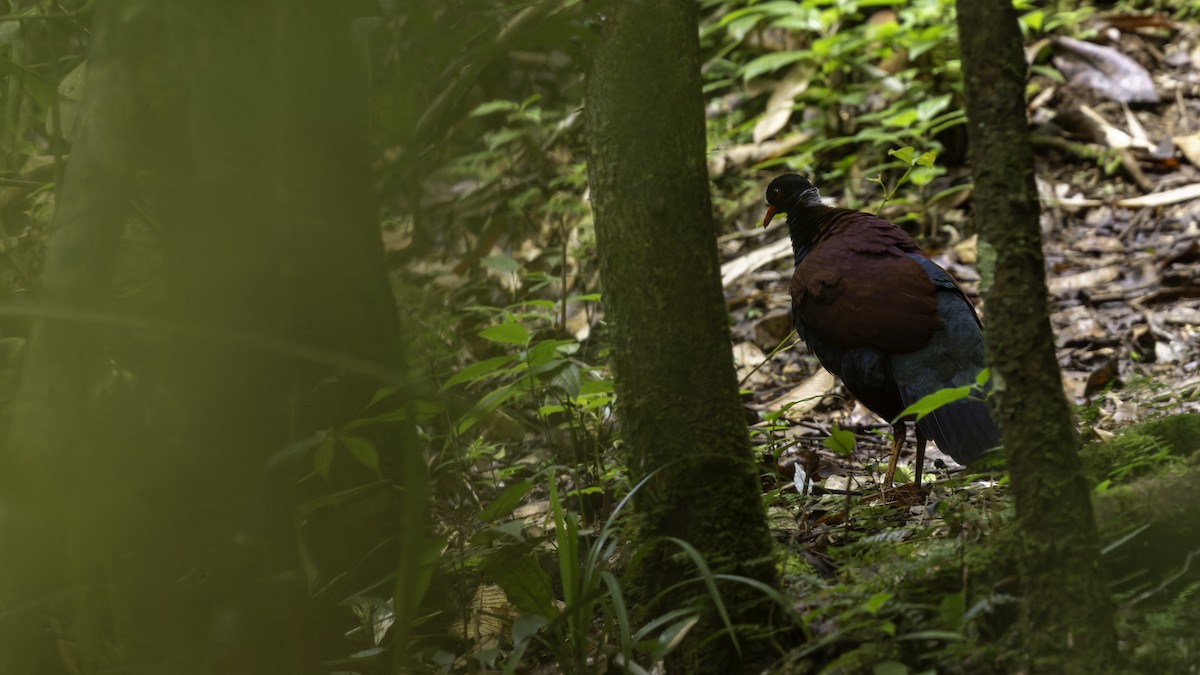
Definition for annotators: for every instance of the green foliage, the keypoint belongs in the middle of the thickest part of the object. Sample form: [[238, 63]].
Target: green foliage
[[1141, 449], [866, 85], [937, 399], [1165, 638]]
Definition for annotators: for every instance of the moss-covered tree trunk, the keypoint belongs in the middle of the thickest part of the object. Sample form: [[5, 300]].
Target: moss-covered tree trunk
[[214, 285], [677, 392], [1069, 622]]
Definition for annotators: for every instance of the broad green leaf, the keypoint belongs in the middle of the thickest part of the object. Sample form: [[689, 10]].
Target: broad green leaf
[[567, 379], [382, 394], [494, 107], [905, 118], [526, 625], [545, 351], [323, 457], [877, 601], [598, 386], [501, 263], [527, 585], [927, 158], [489, 403], [937, 399], [840, 441], [477, 370], [904, 154], [1034, 19], [922, 175], [952, 608], [928, 108], [770, 63], [506, 501], [506, 333], [982, 378], [363, 451]]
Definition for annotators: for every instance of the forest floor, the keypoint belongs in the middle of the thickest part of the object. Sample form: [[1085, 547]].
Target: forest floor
[[1120, 188]]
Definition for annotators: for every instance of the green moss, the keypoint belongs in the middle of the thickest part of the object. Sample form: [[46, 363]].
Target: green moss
[[1141, 448]]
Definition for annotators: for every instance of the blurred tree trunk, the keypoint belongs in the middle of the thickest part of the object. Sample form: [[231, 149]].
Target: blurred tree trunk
[[677, 392], [1069, 622], [213, 291]]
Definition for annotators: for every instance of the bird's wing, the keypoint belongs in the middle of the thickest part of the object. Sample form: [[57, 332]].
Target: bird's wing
[[859, 292]]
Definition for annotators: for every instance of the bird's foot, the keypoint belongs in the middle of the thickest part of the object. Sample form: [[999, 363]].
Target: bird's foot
[[906, 494]]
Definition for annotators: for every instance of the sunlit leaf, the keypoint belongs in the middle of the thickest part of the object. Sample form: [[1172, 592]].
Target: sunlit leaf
[[937, 399], [769, 63], [875, 602], [494, 107], [904, 154], [928, 108]]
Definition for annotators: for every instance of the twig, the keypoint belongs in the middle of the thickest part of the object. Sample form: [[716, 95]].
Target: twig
[[1166, 582], [778, 348]]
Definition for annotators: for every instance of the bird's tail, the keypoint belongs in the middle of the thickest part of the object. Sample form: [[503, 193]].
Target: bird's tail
[[963, 429]]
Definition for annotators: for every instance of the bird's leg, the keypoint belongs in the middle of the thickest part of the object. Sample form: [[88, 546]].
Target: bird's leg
[[921, 440], [899, 431]]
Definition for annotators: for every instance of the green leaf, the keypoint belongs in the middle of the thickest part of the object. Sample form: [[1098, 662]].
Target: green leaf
[[567, 379], [840, 441], [506, 333], [927, 158], [506, 501], [937, 399], [930, 107], [769, 63], [982, 378], [947, 635], [501, 263], [545, 351], [904, 154], [921, 175], [890, 668], [475, 371], [494, 107], [363, 451], [323, 457], [528, 586], [952, 608], [904, 118], [489, 403], [526, 626], [382, 394], [877, 601]]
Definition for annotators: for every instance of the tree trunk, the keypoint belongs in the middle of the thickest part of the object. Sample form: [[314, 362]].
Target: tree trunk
[[214, 290], [675, 382], [1069, 614]]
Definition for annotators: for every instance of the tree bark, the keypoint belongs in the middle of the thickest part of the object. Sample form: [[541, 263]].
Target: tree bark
[[1069, 615], [214, 290], [675, 382]]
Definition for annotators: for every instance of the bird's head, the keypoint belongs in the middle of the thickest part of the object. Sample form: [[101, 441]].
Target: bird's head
[[787, 192]]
